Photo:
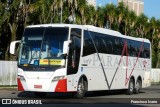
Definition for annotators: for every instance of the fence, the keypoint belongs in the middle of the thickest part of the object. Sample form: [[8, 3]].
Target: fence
[[8, 73]]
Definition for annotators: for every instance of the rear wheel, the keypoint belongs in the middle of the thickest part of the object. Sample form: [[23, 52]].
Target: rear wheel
[[81, 89], [138, 86], [40, 94], [130, 89]]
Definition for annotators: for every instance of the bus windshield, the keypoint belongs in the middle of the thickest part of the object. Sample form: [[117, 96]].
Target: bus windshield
[[43, 46]]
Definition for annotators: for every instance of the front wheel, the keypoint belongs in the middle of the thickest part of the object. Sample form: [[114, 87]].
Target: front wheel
[[81, 89]]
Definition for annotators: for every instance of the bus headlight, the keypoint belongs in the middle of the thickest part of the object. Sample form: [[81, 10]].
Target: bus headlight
[[57, 78], [21, 78]]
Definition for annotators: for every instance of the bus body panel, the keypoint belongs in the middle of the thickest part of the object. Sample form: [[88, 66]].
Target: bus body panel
[[42, 81], [72, 82], [117, 75], [147, 79], [118, 69]]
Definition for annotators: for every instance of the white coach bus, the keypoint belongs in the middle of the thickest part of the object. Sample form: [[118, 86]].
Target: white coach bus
[[81, 58]]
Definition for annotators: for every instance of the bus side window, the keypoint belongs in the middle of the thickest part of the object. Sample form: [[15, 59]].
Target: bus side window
[[146, 53], [110, 46], [129, 48], [98, 43], [105, 49], [88, 45], [118, 45]]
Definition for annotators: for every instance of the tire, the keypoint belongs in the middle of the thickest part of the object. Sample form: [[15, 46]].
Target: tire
[[130, 89], [138, 87], [40, 94], [81, 89]]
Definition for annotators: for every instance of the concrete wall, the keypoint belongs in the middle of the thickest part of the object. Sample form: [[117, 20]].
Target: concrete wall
[[8, 72], [155, 76]]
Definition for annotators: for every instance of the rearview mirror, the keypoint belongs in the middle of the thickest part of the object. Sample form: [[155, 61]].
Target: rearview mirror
[[12, 46], [65, 46]]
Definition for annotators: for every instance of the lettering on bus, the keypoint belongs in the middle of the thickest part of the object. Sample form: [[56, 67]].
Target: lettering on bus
[[112, 61]]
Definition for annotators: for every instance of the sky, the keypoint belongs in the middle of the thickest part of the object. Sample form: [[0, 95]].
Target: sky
[[151, 7]]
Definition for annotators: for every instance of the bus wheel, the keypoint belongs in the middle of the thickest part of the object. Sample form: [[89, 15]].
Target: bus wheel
[[138, 87], [130, 89], [40, 94], [81, 89]]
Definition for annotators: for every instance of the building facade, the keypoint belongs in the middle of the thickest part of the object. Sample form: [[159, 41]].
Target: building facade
[[136, 5], [92, 2]]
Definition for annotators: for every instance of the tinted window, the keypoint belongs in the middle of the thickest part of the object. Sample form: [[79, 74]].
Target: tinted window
[[114, 45], [88, 46], [146, 52]]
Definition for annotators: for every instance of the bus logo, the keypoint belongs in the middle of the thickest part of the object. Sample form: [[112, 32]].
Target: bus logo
[[6, 101]]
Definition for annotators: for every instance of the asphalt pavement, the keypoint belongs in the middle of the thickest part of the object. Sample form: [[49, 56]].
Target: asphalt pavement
[[149, 96]]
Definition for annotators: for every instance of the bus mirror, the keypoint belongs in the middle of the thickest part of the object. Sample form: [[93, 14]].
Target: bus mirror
[[65, 46], [12, 46]]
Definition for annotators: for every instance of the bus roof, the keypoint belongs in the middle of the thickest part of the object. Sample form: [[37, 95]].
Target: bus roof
[[92, 28]]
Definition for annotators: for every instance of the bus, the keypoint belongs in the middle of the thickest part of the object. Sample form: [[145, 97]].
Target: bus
[[70, 58]]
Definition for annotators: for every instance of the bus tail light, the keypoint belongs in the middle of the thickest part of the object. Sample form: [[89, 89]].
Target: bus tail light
[[21, 78], [57, 78]]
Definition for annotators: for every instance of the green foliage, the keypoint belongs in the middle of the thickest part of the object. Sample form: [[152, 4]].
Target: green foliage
[[154, 58], [20, 13]]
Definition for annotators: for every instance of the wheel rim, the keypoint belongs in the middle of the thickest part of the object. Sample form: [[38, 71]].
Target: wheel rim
[[131, 86], [81, 88], [138, 86]]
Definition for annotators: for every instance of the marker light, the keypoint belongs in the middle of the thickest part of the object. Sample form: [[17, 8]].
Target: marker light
[[21, 78], [57, 78]]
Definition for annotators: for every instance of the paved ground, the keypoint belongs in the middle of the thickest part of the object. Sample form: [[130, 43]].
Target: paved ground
[[151, 93]]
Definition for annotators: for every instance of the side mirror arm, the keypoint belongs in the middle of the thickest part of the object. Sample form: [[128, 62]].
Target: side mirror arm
[[65, 47]]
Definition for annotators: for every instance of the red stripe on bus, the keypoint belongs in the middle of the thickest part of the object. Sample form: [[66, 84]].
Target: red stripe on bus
[[61, 86], [20, 86], [125, 50], [127, 80]]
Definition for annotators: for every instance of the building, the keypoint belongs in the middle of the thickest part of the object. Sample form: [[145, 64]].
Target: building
[[92, 2], [135, 5]]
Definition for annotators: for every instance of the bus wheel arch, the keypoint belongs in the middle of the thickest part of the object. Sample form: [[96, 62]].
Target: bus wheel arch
[[138, 85], [82, 87], [131, 86]]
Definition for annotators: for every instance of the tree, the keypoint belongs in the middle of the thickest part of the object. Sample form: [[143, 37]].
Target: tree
[[72, 6], [100, 19], [110, 14], [56, 7], [154, 32], [42, 7], [121, 13], [158, 34], [90, 14], [130, 21], [81, 8], [140, 25]]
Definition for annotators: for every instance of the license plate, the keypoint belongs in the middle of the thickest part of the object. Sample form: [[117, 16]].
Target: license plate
[[38, 86]]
